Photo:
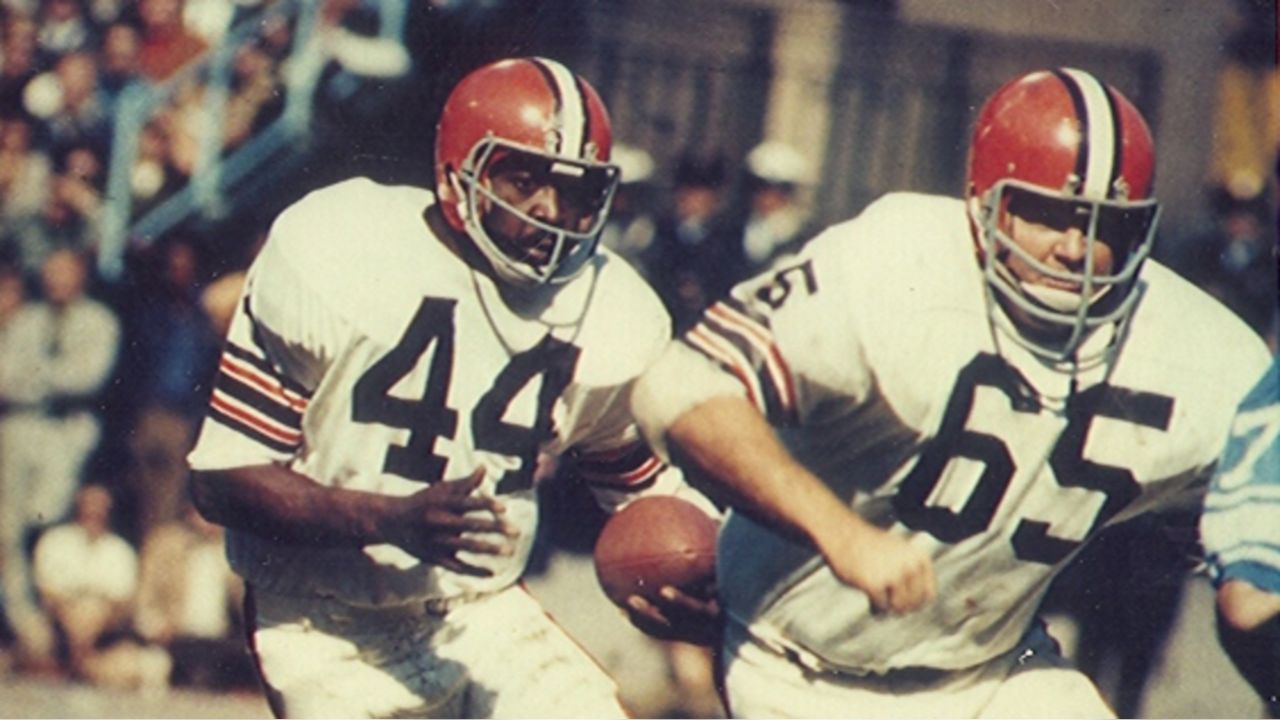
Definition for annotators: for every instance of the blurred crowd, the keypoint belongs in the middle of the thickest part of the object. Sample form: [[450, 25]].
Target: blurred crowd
[[106, 574], [65, 66], [1235, 256], [714, 227]]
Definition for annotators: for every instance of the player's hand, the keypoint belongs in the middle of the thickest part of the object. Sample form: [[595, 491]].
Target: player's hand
[[691, 615], [896, 575], [438, 522]]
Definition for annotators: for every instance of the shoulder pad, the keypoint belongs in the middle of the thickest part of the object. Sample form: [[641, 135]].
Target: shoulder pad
[[625, 327]]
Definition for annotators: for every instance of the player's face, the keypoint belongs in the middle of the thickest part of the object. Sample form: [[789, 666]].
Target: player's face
[[556, 195], [1055, 233]]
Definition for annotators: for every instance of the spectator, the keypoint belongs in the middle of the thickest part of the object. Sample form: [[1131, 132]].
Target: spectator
[[105, 12], [83, 116], [12, 296], [690, 267], [63, 29], [80, 117], [256, 96], [27, 7], [173, 355], [57, 356], [25, 173], [1246, 137], [220, 298], [167, 44], [183, 122], [777, 223], [630, 230], [154, 176], [118, 60], [17, 60], [86, 577], [275, 36], [189, 601], [1237, 263], [71, 215]]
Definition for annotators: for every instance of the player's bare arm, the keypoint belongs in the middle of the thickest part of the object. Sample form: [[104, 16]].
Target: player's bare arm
[[762, 478], [433, 524]]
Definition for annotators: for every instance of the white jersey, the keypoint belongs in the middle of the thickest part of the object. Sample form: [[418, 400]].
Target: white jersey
[[366, 355], [873, 354]]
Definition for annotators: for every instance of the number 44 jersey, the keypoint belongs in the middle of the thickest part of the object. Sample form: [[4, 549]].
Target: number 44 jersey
[[366, 355], [873, 354]]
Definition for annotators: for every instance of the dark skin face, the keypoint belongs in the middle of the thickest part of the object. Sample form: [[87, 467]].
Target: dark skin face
[[534, 188]]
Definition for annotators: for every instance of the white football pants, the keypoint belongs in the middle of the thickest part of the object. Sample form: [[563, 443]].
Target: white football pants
[[1030, 681], [500, 656]]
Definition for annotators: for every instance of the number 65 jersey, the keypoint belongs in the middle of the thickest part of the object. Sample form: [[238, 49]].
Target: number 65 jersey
[[366, 355], [873, 355]]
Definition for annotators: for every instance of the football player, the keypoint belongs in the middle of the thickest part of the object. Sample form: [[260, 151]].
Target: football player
[[1240, 530], [398, 365], [921, 417]]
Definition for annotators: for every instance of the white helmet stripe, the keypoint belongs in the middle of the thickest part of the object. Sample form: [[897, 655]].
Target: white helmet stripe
[[570, 104], [1099, 123]]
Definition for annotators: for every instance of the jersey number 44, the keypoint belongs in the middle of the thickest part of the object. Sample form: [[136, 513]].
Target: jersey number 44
[[429, 417]]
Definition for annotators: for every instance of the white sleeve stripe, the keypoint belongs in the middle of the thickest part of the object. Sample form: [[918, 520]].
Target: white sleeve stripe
[[723, 352], [266, 383], [254, 419], [762, 340], [749, 327]]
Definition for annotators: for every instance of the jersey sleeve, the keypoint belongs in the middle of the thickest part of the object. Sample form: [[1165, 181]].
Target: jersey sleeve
[[614, 457], [609, 454], [1240, 526], [786, 340], [621, 475], [276, 353]]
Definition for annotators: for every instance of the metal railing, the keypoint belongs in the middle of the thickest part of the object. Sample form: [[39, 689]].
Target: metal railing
[[216, 171]]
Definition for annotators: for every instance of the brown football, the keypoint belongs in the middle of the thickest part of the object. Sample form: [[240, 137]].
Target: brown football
[[653, 542]]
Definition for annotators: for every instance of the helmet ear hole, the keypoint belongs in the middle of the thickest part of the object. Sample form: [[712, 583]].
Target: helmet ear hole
[[445, 187], [455, 194], [455, 185]]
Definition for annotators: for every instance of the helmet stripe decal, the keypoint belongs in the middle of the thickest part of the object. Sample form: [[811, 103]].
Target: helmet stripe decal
[[1117, 135], [1078, 107], [544, 67], [1097, 161], [586, 120], [571, 108]]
